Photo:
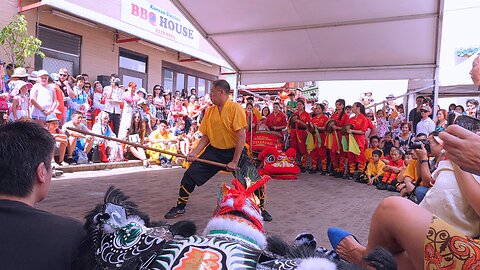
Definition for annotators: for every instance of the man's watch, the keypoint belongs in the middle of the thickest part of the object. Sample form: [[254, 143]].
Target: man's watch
[[423, 161]]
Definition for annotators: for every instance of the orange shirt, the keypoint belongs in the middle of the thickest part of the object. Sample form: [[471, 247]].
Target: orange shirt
[[279, 120]]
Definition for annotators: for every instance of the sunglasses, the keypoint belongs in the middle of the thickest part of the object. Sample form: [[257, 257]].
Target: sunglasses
[[424, 111], [63, 75]]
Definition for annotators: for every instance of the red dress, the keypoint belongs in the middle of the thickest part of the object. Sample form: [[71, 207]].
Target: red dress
[[278, 120], [298, 135]]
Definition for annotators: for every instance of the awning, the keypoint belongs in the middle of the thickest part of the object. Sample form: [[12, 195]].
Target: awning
[[300, 40], [155, 21]]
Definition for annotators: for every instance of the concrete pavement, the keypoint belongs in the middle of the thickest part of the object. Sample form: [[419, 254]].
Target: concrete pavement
[[310, 204]]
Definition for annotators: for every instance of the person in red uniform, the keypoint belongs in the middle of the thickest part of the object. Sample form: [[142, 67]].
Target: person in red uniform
[[298, 134], [320, 151], [277, 120], [360, 125], [337, 154]]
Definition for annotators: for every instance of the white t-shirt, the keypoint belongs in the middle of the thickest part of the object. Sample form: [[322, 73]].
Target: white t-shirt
[[117, 95], [44, 96], [426, 126], [70, 124], [446, 201]]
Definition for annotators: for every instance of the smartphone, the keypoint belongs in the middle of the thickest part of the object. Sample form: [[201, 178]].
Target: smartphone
[[467, 122]]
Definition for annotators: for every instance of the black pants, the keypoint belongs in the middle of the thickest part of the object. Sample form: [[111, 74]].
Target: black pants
[[199, 173], [115, 117]]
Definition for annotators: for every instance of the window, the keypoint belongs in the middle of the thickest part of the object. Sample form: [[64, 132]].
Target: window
[[180, 83], [167, 80], [62, 50], [132, 67], [191, 84], [179, 78], [201, 87]]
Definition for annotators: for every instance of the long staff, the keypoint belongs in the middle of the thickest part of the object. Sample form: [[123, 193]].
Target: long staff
[[146, 147]]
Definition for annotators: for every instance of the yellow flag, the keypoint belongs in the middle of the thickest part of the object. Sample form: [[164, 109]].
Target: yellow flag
[[310, 142], [352, 145]]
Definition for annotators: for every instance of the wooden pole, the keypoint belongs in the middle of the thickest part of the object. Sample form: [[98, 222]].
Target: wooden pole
[[146, 147]]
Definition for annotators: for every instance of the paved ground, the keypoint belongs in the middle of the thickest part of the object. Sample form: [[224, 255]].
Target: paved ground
[[310, 204]]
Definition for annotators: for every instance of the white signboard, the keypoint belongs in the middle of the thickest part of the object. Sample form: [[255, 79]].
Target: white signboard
[[161, 22]]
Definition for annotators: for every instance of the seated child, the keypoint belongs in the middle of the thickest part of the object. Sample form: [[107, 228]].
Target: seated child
[[374, 142], [392, 170], [374, 173], [162, 139], [386, 143]]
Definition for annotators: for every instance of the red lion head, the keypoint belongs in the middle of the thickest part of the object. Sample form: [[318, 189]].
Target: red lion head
[[278, 164]]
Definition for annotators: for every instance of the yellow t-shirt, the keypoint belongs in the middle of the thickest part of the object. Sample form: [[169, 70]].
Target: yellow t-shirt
[[221, 128], [156, 135], [411, 170], [373, 170], [368, 153]]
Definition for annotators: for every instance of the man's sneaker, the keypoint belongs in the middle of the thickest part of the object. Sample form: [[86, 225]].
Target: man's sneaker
[[323, 172], [175, 212], [266, 216], [168, 164], [312, 171], [303, 170]]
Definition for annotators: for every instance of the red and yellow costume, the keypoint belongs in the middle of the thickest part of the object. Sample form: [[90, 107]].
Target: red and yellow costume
[[337, 154], [298, 136], [276, 120], [320, 150], [360, 123]]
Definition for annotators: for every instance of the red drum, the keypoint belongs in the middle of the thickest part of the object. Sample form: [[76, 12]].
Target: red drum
[[263, 139]]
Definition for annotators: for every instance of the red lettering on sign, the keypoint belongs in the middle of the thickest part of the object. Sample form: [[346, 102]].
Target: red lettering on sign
[[134, 10]]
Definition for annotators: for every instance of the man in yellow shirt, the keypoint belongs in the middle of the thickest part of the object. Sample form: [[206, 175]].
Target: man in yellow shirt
[[224, 134]]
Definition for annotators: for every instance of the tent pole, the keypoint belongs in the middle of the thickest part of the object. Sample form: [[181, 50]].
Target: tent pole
[[436, 84]]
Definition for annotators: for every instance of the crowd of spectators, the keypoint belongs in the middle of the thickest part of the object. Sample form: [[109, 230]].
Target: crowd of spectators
[[169, 121]]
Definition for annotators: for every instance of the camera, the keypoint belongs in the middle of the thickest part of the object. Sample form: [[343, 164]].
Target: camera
[[418, 145]]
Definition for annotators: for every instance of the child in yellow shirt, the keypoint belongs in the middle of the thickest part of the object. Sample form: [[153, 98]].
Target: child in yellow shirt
[[374, 143], [374, 173]]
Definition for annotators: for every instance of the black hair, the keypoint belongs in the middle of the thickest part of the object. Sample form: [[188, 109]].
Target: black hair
[[301, 101], [473, 101], [361, 107], [163, 122], [221, 84], [422, 97], [161, 90], [421, 135], [348, 107], [461, 107], [374, 137], [276, 103], [250, 98], [377, 152], [341, 101], [23, 146], [452, 105], [321, 106], [77, 112]]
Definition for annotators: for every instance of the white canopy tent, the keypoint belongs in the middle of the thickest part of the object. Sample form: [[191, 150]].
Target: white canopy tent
[[272, 41]]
